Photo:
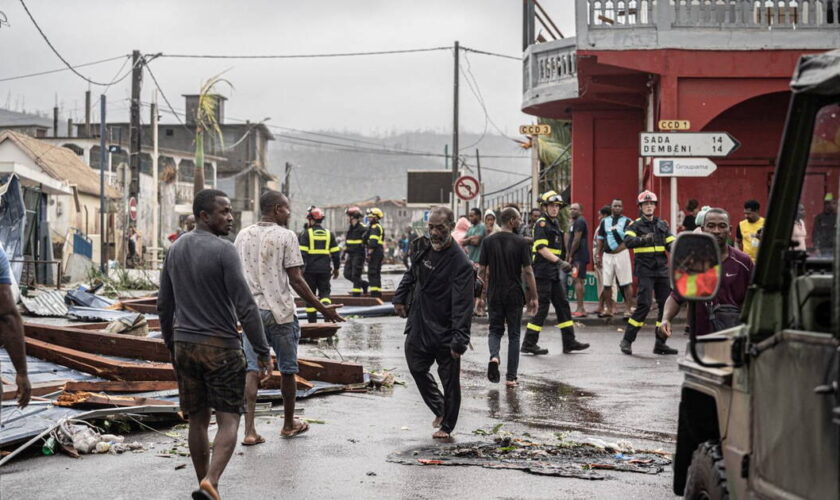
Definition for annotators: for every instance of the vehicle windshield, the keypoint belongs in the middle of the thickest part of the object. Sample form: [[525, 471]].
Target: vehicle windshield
[[815, 222]]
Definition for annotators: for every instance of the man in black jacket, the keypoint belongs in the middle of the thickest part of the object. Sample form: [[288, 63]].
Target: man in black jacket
[[440, 284]]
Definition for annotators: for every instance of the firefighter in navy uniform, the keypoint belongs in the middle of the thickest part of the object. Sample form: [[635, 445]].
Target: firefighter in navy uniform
[[649, 237], [354, 251], [320, 250], [550, 273], [373, 239]]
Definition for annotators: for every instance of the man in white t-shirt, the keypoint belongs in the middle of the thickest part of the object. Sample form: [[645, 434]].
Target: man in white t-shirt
[[273, 266]]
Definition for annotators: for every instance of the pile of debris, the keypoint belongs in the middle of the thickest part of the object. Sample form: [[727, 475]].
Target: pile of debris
[[564, 459]]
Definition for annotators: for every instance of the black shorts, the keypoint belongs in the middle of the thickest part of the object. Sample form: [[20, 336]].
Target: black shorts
[[210, 377]]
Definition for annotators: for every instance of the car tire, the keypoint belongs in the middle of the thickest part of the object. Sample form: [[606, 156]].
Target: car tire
[[706, 478]]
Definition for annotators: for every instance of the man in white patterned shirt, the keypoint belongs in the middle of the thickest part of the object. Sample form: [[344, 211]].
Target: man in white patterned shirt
[[273, 266]]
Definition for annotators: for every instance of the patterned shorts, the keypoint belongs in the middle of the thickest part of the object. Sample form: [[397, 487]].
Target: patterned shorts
[[210, 377]]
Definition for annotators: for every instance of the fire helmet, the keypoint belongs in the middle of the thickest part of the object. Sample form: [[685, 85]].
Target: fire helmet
[[354, 212], [375, 212], [552, 198], [315, 213], [647, 196]]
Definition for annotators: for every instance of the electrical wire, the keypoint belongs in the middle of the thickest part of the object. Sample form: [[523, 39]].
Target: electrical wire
[[59, 70], [302, 56], [57, 53], [494, 54], [480, 97], [166, 100]]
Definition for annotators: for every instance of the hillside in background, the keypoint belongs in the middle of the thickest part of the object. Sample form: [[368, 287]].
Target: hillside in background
[[328, 174]]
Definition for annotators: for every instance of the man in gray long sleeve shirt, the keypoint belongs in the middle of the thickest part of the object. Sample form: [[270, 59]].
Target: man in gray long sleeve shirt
[[202, 293]]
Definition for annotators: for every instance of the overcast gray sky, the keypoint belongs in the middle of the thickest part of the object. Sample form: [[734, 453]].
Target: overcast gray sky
[[375, 94]]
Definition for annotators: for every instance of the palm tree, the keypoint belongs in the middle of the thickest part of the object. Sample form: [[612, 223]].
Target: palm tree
[[206, 122]]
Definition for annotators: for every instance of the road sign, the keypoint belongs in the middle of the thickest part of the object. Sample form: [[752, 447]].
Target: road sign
[[674, 124], [687, 144], [541, 129], [683, 167], [426, 215], [132, 208], [466, 187]]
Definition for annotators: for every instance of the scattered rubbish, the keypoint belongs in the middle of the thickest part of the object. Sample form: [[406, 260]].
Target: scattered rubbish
[[179, 467], [485, 432], [371, 473], [129, 325], [314, 421], [566, 459], [405, 428]]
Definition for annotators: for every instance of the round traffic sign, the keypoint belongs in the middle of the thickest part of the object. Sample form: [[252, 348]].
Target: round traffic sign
[[132, 208], [466, 187]]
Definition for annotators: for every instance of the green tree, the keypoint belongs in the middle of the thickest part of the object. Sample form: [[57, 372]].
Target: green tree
[[206, 123]]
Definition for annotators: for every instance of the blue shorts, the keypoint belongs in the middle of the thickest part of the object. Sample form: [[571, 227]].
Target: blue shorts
[[282, 338]]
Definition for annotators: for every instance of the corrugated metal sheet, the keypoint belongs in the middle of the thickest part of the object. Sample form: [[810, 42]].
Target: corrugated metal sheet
[[48, 304]]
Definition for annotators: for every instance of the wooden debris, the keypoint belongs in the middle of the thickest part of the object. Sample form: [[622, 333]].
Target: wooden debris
[[99, 400], [121, 386], [38, 389]]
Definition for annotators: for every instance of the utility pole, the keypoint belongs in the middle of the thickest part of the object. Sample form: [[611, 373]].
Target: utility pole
[[535, 170], [455, 152], [155, 197], [135, 137], [480, 198], [103, 153], [55, 121], [88, 131]]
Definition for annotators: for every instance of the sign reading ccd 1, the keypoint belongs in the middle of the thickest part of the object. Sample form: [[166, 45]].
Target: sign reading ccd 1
[[674, 124], [541, 129]]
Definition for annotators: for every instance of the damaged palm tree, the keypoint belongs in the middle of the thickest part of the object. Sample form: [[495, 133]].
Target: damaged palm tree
[[206, 122]]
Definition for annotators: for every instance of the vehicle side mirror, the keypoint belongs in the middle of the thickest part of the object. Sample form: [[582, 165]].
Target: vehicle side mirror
[[695, 266]]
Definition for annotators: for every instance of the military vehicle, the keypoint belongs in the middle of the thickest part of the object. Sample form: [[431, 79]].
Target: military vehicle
[[759, 413]]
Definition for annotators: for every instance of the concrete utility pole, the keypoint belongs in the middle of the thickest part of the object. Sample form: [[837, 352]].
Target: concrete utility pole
[[135, 138], [103, 233], [455, 152], [156, 197], [535, 171], [287, 180], [88, 131], [480, 198], [55, 121]]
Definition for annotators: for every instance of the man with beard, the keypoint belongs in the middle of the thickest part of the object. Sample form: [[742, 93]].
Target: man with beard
[[437, 297], [735, 279]]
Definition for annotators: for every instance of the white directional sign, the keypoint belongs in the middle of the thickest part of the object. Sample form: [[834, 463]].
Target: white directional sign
[[683, 167], [687, 144]]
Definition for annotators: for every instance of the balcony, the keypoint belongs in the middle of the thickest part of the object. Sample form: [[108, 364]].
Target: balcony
[[550, 68]]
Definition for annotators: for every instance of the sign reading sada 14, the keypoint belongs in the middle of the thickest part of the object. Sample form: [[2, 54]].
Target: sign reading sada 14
[[687, 144], [683, 167]]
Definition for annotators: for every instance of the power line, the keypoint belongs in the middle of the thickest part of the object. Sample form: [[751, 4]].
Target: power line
[[494, 54], [301, 56], [166, 100], [55, 51], [480, 98], [59, 70]]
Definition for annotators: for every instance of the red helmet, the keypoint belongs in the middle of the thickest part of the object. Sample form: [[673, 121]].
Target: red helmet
[[354, 212], [647, 196], [315, 213]]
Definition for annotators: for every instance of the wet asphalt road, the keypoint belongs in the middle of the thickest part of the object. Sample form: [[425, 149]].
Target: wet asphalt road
[[597, 393]]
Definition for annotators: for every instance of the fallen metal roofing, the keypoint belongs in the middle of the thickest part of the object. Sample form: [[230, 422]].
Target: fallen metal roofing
[[48, 304]]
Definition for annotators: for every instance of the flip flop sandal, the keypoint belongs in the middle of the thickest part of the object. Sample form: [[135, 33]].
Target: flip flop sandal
[[260, 440], [297, 431], [200, 494]]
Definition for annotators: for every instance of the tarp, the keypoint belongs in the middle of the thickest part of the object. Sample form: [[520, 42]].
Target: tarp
[[817, 74], [80, 297], [12, 223]]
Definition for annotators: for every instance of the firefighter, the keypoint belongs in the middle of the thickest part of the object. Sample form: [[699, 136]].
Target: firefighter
[[354, 251], [550, 273], [373, 239], [319, 248], [649, 237]]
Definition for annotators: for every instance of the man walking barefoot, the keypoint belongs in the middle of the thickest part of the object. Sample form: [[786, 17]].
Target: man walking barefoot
[[273, 265], [202, 294], [505, 258], [437, 297]]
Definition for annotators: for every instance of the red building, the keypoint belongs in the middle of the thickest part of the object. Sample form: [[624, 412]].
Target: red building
[[722, 65]]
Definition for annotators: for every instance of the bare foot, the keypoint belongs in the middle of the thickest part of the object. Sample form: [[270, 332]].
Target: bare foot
[[441, 435], [437, 422], [511, 384], [208, 489]]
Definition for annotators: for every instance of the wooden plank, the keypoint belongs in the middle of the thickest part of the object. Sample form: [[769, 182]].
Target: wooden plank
[[99, 400], [120, 386], [38, 388], [152, 349], [307, 330], [98, 365], [348, 300]]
